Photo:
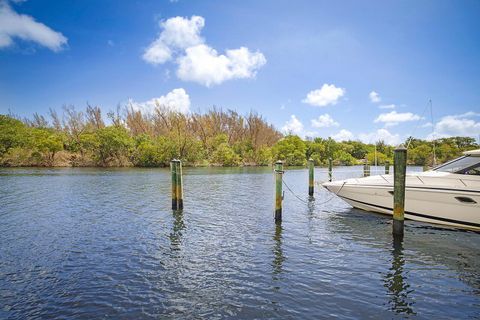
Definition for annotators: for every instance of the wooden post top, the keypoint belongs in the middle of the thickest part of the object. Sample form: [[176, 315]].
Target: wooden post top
[[401, 148]]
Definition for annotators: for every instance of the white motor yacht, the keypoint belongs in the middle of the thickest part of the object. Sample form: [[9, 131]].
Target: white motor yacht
[[448, 194]]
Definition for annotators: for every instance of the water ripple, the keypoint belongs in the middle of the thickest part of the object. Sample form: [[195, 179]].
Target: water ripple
[[95, 243]]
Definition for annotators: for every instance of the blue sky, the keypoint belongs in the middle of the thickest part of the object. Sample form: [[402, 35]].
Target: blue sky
[[347, 69]]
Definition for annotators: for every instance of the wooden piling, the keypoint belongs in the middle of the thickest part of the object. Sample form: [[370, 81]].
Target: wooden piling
[[177, 184], [278, 190], [366, 168], [311, 177], [330, 169], [173, 169], [399, 178], [387, 167]]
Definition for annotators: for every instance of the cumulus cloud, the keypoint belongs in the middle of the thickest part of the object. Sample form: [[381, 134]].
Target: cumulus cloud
[[374, 97], [387, 106], [177, 33], [380, 134], [14, 25], [204, 65], [371, 137], [176, 100], [457, 125], [180, 42], [393, 118], [328, 94], [468, 114], [343, 135], [293, 126], [324, 121]]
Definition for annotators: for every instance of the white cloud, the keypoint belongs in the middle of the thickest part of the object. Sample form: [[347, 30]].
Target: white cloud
[[393, 118], [293, 126], [309, 135], [328, 94], [343, 135], [176, 100], [457, 125], [177, 33], [426, 125], [180, 42], [204, 65], [387, 106], [380, 134], [324, 121], [468, 114], [157, 53], [374, 97], [14, 25], [372, 137]]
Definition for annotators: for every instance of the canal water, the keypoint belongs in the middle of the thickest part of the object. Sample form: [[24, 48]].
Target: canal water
[[103, 243]]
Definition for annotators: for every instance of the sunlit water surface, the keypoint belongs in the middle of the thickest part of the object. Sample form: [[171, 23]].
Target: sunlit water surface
[[98, 243]]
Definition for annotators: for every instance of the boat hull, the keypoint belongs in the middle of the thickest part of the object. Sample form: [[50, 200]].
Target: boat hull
[[431, 204]]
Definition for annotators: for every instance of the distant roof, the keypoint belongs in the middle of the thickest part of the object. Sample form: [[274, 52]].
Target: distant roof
[[475, 153]]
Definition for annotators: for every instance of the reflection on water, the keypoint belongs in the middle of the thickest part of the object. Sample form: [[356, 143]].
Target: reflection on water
[[311, 216], [277, 264], [177, 229], [278, 257], [396, 280], [104, 243]]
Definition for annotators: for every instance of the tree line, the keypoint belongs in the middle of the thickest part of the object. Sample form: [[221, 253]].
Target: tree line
[[131, 137]]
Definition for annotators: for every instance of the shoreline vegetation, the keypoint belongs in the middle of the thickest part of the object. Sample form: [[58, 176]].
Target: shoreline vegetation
[[133, 138]]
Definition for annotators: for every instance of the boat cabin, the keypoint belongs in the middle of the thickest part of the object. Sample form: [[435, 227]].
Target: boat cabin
[[469, 164]]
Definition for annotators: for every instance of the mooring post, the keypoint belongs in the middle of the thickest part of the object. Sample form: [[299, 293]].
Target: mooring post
[[330, 168], [311, 177], [387, 167], [173, 169], [366, 168], [179, 185], [278, 190], [399, 177]]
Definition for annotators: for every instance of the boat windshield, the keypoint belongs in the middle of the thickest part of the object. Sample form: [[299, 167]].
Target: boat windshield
[[462, 165]]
